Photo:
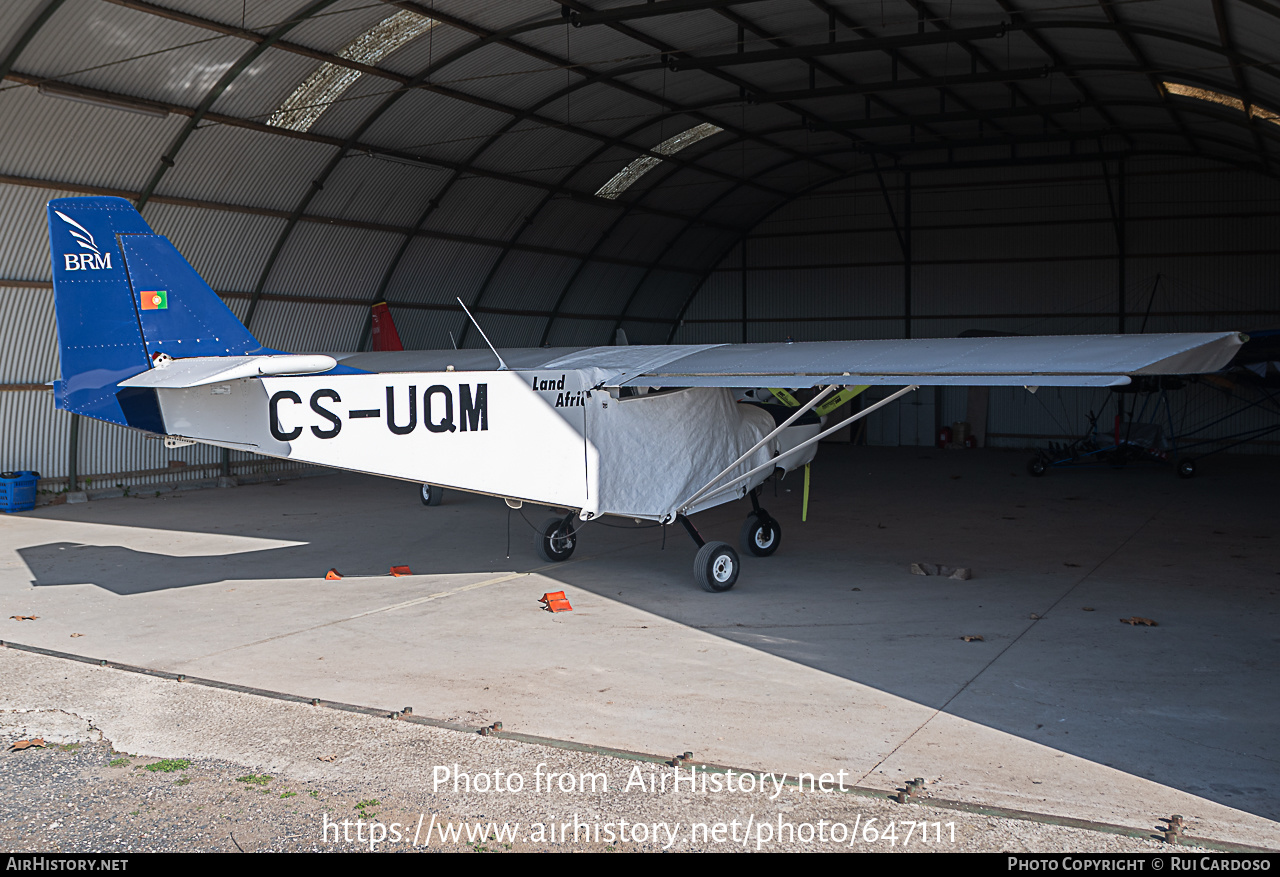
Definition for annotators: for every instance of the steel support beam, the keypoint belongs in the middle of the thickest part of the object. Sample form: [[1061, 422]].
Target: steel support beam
[[41, 17], [399, 79], [170, 156], [952, 117], [681, 63], [651, 9], [886, 85]]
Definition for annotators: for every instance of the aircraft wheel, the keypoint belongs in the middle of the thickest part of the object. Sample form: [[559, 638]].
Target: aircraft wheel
[[1036, 467], [760, 534], [555, 543], [1187, 469], [716, 567], [432, 494]]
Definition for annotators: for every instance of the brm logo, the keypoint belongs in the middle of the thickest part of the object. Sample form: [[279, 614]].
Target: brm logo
[[93, 259]]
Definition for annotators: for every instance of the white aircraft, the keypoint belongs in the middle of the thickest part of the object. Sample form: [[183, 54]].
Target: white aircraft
[[642, 432]]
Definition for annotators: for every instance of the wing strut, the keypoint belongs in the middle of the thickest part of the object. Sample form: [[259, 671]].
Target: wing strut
[[708, 491], [758, 445]]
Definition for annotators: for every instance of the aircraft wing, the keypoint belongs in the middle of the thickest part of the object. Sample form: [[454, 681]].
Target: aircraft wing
[[1060, 360], [1054, 360]]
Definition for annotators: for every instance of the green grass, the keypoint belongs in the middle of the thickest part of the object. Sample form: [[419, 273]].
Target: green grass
[[168, 765], [119, 762], [254, 779]]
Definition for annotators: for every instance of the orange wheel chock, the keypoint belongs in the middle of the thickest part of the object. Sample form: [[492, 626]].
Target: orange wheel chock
[[332, 575], [398, 571], [556, 602]]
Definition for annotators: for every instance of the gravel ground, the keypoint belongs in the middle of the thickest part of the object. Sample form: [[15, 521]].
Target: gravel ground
[[136, 763], [86, 797]]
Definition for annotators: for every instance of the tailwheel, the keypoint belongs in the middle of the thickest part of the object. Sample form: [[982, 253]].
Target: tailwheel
[[716, 567], [555, 540], [760, 534], [432, 494]]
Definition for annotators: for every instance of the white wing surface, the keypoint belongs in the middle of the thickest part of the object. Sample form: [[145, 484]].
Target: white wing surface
[[1045, 360], [1054, 360]]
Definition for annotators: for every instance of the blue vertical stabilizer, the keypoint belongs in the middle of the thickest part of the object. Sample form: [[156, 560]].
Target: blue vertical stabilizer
[[123, 295]]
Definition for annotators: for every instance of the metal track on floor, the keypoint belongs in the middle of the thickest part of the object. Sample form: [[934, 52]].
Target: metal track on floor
[[496, 730]]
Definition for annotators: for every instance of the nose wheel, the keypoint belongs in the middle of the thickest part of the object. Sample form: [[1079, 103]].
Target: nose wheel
[[761, 535], [716, 567]]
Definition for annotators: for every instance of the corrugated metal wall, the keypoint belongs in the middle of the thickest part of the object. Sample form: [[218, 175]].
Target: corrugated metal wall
[[1031, 251]]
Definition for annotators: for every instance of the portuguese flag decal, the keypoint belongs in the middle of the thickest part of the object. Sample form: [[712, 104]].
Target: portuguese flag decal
[[155, 300]]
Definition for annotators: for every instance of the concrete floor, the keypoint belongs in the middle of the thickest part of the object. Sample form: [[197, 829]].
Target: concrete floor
[[828, 656]]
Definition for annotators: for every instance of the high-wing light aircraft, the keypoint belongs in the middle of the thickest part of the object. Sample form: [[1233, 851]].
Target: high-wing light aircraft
[[643, 432]]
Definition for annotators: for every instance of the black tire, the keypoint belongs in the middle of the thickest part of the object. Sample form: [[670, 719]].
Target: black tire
[[555, 541], [761, 535], [1187, 469], [1036, 467], [432, 494], [716, 567]]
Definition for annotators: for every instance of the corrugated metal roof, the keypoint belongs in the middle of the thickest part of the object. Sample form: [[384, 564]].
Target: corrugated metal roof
[[317, 262], [227, 249], [55, 139], [510, 287], [212, 166], [260, 15], [423, 123], [379, 190], [129, 52], [438, 272], [484, 207], [304, 327]]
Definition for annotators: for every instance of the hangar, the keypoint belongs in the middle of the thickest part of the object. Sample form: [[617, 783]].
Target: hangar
[[697, 172]]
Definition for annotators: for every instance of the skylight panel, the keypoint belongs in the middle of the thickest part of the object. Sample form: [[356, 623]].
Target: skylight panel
[[645, 163], [304, 106], [1221, 99]]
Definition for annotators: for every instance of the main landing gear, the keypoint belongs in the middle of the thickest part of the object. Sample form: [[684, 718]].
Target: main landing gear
[[556, 539], [717, 564], [432, 494], [716, 567], [760, 534]]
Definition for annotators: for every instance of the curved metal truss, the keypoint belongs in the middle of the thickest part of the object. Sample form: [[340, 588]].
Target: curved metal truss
[[813, 87]]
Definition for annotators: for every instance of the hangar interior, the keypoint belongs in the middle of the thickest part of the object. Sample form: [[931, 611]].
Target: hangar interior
[[681, 171], [687, 172]]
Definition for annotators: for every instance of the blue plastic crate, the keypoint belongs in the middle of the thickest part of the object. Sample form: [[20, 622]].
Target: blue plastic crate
[[18, 491]]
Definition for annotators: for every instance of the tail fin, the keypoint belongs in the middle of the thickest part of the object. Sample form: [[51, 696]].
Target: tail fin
[[123, 295], [385, 336]]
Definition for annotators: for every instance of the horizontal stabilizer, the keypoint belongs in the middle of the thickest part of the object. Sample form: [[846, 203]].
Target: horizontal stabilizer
[[200, 370]]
